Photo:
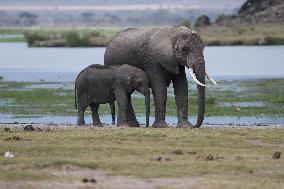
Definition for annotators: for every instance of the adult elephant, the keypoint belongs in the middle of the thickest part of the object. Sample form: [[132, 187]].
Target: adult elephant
[[163, 54]]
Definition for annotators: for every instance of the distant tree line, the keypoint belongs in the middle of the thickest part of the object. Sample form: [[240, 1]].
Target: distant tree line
[[102, 18]]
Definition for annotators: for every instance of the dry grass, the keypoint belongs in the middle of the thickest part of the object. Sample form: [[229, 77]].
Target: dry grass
[[223, 157], [241, 34]]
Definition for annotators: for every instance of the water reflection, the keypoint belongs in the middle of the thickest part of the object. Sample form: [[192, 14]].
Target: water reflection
[[172, 120]]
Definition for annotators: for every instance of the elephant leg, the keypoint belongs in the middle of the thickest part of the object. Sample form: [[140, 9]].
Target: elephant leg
[[82, 105], [181, 96], [112, 110], [122, 100], [159, 90], [95, 115], [131, 118]]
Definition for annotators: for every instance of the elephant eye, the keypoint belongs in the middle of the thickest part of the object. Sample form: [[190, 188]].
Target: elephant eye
[[183, 49], [139, 83]]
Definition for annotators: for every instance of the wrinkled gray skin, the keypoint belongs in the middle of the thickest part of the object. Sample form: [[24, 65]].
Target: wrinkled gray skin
[[163, 53], [98, 84]]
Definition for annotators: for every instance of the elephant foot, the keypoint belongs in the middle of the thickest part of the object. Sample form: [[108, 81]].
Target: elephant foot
[[160, 124], [123, 125], [81, 123], [98, 124], [133, 123], [184, 124]]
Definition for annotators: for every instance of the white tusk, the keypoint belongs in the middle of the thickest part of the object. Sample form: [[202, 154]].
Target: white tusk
[[210, 78], [194, 78]]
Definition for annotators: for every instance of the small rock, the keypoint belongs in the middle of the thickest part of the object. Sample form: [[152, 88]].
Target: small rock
[[239, 158], [157, 158], [160, 158], [276, 155], [13, 138], [177, 152], [209, 157], [191, 152], [29, 128], [92, 180], [8, 155], [251, 171], [7, 129]]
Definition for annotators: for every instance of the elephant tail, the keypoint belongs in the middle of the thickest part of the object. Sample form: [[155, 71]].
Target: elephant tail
[[75, 91]]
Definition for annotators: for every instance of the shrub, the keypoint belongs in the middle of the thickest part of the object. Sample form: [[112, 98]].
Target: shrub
[[33, 38], [202, 21], [72, 39], [273, 41], [186, 23]]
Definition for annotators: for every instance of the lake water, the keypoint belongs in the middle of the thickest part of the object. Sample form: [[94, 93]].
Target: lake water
[[171, 120], [20, 63]]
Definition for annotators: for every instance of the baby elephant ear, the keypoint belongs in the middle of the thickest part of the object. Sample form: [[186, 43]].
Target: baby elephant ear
[[124, 82]]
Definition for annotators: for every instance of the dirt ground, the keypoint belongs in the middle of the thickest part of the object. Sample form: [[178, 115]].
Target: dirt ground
[[85, 178]]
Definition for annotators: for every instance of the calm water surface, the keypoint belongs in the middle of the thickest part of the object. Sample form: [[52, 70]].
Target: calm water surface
[[20, 63], [172, 120]]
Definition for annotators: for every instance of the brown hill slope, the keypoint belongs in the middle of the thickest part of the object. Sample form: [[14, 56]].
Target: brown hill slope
[[257, 12]]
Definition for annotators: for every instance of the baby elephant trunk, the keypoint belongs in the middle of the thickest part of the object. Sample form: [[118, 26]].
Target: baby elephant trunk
[[147, 106]]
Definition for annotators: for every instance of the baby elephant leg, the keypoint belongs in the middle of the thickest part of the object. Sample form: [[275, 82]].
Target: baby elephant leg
[[112, 109], [82, 105], [95, 115], [131, 118], [122, 100], [80, 120]]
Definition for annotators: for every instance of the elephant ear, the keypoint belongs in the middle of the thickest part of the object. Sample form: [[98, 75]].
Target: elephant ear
[[124, 81], [162, 49]]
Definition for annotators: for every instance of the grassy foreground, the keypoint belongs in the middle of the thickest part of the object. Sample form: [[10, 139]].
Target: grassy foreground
[[222, 157]]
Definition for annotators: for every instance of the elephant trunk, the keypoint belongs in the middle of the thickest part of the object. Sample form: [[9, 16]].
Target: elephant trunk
[[147, 106], [198, 73], [201, 99]]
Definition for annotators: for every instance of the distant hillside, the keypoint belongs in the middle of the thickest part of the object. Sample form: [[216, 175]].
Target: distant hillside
[[126, 13], [257, 12], [229, 4]]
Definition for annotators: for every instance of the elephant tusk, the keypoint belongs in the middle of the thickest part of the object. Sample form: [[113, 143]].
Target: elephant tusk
[[194, 78], [210, 78]]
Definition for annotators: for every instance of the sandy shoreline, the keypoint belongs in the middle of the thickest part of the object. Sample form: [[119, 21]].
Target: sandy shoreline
[[141, 126]]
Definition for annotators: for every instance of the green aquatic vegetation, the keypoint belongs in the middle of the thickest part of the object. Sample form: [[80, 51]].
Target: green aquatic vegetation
[[70, 37], [12, 40], [25, 99]]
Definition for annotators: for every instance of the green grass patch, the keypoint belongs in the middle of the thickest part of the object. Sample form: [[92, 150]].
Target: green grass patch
[[12, 40], [262, 34], [26, 100]]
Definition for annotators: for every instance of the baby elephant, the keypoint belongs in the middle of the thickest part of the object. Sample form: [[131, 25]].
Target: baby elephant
[[99, 84]]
